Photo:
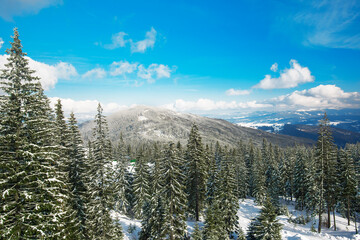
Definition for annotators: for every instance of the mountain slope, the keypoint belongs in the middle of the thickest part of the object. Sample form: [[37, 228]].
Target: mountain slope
[[148, 124], [341, 136]]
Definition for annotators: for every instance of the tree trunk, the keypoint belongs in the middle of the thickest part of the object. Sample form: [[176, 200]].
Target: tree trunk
[[329, 217], [356, 230], [320, 220], [348, 210], [334, 219]]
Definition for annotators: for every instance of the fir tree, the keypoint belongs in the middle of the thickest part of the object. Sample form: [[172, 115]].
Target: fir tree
[[141, 183], [101, 226], [348, 181], [265, 226], [226, 193], [174, 194], [78, 168], [197, 234], [196, 172], [30, 181], [325, 169]]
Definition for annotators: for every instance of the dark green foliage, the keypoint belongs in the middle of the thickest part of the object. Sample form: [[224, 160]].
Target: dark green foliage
[[265, 226], [196, 175], [197, 234], [101, 188], [30, 180], [173, 190], [326, 161], [348, 181]]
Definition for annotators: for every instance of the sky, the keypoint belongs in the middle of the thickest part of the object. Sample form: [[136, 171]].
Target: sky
[[192, 56]]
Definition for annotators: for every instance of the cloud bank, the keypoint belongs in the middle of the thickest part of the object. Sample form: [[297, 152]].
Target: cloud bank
[[289, 78], [11, 8], [234, 92], [48, 74]]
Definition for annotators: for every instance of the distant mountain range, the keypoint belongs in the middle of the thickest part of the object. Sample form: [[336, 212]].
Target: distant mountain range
[[149, 124], [345, 123]]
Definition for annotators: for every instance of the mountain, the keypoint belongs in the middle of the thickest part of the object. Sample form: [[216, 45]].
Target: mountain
[[341, 136], [149, 124], [348, 119]]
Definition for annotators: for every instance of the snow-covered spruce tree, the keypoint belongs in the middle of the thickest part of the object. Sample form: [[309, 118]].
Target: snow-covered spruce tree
[[141, 183], [120, 181], [214, 228], [197, 233], [249, 160], [100, 186], [325, 158], [153, 210], [259, 178], [196, 174], [226, 193], [212, 177], [241, 172], [300, 172], [174, 226], [348, 181], [30, 183], [78, 178], [265, 226], [272, 177], [72, 228]]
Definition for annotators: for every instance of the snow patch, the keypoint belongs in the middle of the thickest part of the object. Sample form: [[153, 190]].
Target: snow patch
[[142, 118]]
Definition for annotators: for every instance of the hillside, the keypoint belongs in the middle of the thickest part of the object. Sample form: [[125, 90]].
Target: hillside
[[147, 124]]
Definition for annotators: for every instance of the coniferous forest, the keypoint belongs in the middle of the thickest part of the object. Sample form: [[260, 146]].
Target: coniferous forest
[[55, 186]]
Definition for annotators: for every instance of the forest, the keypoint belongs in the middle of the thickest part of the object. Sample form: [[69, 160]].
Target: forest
[[55, 186]]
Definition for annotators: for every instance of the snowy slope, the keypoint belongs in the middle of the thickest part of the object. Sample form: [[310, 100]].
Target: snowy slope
[[249, 210]]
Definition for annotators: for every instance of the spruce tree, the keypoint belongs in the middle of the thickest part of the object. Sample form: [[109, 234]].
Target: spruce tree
[[348, 181], [78, 178], [196, 172], [141, 183], [173, 191], [101, 188], [265, 226], [325, 157], [197, 234], [30, 181]]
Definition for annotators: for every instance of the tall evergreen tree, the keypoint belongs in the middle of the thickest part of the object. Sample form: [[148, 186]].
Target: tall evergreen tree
[[141, 183], [173, 191], [101, 226], [30, 183], [348, 181], [265, 226], [196, 172], [78, 178], [325, 157]]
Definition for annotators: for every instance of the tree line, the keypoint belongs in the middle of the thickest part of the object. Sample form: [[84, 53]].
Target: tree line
[[53, 186]]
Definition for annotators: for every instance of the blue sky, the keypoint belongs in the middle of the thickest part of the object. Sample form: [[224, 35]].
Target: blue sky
[[195, 56]]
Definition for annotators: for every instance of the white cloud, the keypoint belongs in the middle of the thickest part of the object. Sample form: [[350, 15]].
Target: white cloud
[[1, 42], [95, 73], [11, 8], [148, 42], [153, 71], [331, 23], [117, 41], [48, 74], [274, 67], [236, 92], [85, 109], [320, 97], [122, 67], [289, 78]]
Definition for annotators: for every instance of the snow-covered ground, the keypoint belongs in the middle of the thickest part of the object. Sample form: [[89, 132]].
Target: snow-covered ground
[[249, 210]]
